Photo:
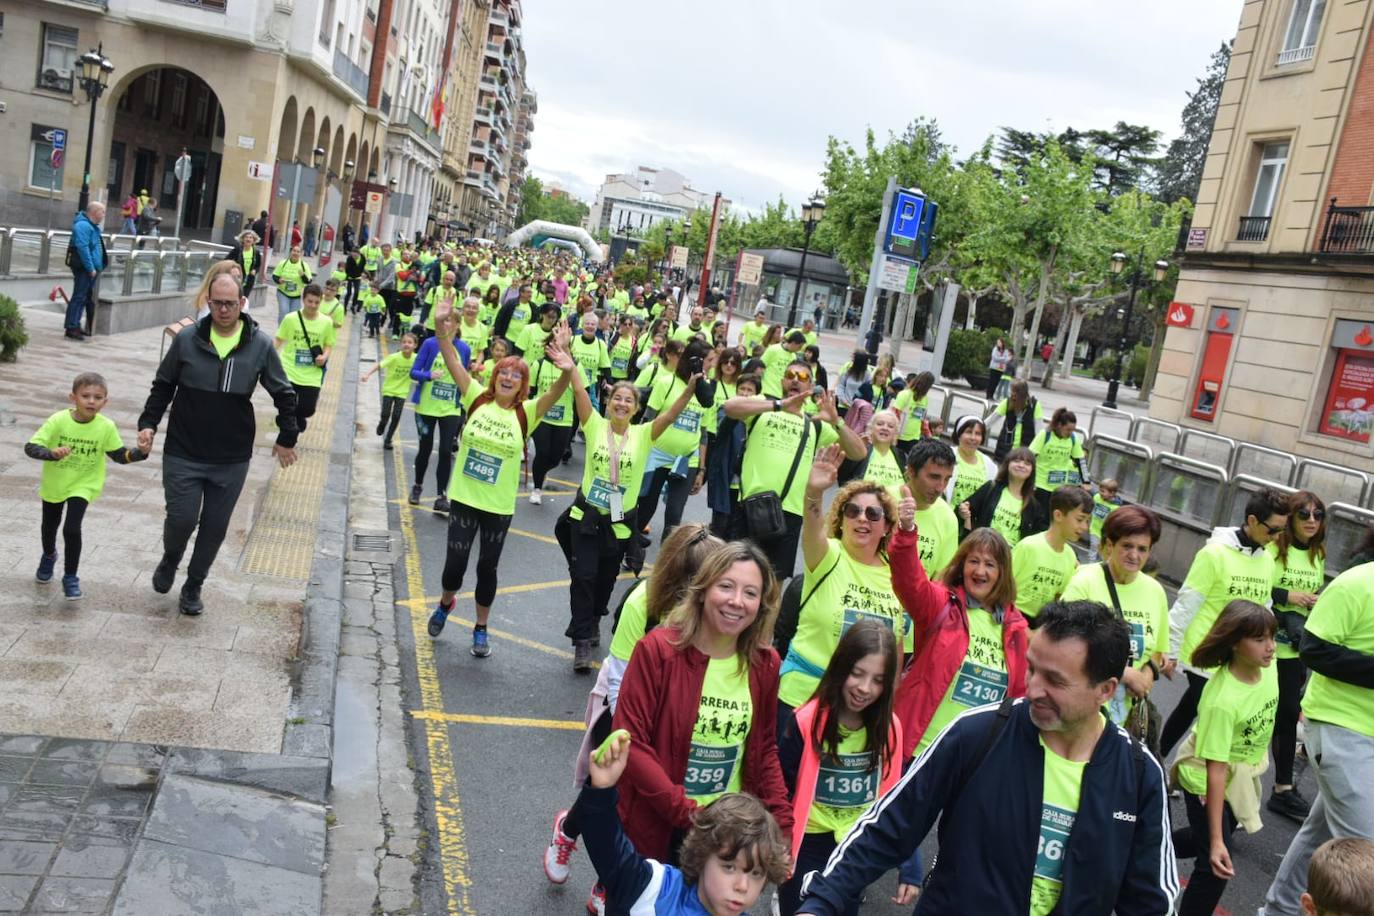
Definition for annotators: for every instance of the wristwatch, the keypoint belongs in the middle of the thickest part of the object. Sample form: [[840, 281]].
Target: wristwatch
[[777, 405]]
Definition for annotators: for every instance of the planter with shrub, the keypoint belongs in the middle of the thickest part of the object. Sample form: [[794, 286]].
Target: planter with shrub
[[13, 336]]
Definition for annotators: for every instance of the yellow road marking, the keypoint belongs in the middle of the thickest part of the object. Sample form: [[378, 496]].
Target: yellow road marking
[[530, 534], [570, 725]]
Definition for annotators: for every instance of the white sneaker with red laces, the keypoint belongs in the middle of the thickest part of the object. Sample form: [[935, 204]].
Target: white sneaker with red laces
[[596, 903], [559, 851]]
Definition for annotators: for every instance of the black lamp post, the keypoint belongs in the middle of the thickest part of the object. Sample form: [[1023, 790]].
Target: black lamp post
[[95, 76], [1137, 280], [811, 215]]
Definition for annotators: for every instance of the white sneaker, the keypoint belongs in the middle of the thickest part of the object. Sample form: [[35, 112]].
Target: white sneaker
[[559, 851], [536, 497]]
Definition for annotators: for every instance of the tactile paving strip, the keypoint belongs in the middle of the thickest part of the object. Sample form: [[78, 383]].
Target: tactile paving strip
[[282, 543]]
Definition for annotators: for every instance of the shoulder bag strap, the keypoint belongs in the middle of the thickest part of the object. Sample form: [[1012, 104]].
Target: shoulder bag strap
[[306, 331], [1111, 590], [796, 460], [999, 722]]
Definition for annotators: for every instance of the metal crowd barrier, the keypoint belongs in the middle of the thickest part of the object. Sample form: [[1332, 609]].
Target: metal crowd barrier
[[1241, 488], [1332, 482], [1101, 416], [1128, 462], [1346, 526], [1207, 447], [967, 404], [1157, 434], [1266, 463], [937, 401], [40, 251], [1188, 490]]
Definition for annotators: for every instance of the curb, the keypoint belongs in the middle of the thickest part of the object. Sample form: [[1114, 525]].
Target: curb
[[310, 727]]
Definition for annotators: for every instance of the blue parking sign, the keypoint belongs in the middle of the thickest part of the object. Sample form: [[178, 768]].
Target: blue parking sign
[[59, 138], [904, 224]]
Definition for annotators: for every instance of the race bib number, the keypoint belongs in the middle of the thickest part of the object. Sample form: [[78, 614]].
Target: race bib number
[[443, 391], [1064, 478], [848, 783], [289, 287], [1102, 510], [599, 494], [303, 358], [482, 467], [689, 421], [917, 415], [555, 414], [709, 769], [620, 364], [1137, 641], [853, 616], [1281, 636], [1055, 826], [979, 684]]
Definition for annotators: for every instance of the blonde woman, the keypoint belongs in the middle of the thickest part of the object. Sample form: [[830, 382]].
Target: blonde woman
[[201, 299], [249, 260]]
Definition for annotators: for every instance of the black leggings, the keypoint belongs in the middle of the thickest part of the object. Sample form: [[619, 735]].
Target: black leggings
[[392, 408], [1183, 715], [1204, 889], [71, 532], [464, 524], [601, 729], [448, 431], [1292, 673], [550, 442], [351, 292], [307, 398], [679, 488]]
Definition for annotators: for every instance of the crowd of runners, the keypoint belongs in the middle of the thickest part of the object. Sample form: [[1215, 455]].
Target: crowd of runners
[[941, 654]]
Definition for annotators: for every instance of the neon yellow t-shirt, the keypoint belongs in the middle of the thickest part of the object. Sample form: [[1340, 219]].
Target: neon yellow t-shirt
[[334, 310], [633, 622], [913, 412], [520, 317], [1343, 616], [295, 350], [683, 437], [845, 787], [769, 450], [715, 760], [373, 303], [596, 473], [937, 536], [435, 296], [1017, 441], [982, 677], [1221, 574], [486, 471], [722, 392], [1056, 460], [225, 345], [531, 342], [969, 476], [395, 369], [1301, 573], [620, 357], [848, 592], [1101, 509], [1041, 572], [883, 469], [477, 335], [751, 335], [776, 359], [1235, 721], [291, 277], [1006, 517], [543, 375], [82, 473], [439, 395], [591, 357], [1063, 788]]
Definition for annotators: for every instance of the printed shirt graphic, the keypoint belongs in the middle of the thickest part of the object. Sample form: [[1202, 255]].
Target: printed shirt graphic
[[715, 761], [439, 395], [851, 592], [982, 678], [1056, 460], [684, 435], [295, 352], [1235, 721], [396, 374], [1006, 517], [776, 359], [1344, 616], [913, 412], [1221, 574], [1041, 572], [937, 532], [768, 453], [845, 787], [543, 374], [1301, 573], [82, 473], [591, 357], [486, 472], [596, 476], [883, 469], [477, 336], [1063, 780], [1038, 414]]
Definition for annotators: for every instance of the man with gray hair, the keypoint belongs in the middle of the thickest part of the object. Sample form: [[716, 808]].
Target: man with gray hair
[[86, 258]]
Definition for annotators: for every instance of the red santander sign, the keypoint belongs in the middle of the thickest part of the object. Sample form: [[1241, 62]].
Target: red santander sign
[[1180, 315]]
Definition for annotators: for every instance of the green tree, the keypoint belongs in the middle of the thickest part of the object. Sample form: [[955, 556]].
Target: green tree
[[1180, 172], [1123, 154], [531, 201], [537, 203]]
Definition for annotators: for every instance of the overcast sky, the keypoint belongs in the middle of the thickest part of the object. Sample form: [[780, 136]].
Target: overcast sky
[[740, 95]]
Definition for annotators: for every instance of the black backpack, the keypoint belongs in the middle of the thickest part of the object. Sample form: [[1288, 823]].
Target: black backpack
[[790, 608]]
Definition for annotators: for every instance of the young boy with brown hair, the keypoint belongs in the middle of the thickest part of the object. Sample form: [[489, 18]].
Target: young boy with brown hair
[[1340, 879]]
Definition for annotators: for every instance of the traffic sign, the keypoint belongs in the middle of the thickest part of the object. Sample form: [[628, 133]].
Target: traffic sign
[[55, 159], [183, 168], [897, 275], [58, 138], [904, 225]]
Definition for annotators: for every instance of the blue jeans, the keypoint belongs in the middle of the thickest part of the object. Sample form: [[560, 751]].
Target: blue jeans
[[83, 292], [286, 305]]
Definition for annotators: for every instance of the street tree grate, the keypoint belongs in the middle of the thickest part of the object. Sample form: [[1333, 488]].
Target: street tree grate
[[372, 545]]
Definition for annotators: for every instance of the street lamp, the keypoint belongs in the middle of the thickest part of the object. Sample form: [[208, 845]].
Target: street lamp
[[95, 77], [1137, 279], [811, 215]]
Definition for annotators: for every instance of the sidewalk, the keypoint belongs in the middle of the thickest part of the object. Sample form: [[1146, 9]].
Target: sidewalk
[[151, 762]]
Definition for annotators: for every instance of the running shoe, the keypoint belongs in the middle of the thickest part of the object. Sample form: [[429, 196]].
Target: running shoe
[[439, 618], [45, 567], [71, 587], [190, 603], [481, 643], [441, 504], [1290, 804], [536, 497], [164, 575], [596, 903], [415, 492], [381, 427], [560, 849]]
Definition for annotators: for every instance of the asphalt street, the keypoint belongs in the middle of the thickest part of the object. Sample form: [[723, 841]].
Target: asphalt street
[[494, 739]]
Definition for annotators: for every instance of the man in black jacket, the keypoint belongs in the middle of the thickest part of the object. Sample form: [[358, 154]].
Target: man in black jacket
[[1043, 805], [208, 377]]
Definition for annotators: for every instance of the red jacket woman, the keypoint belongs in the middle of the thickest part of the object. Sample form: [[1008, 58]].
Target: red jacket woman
[[727, 617], [940, 613]]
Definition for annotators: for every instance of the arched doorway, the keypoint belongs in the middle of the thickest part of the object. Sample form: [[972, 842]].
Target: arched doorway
[[160, 112]]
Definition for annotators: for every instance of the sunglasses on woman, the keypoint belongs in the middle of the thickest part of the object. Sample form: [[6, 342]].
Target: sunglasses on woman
[[872, 513], [1311, 515]]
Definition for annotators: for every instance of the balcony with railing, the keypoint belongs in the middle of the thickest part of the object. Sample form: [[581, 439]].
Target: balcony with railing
[[1253, 229], [1348, 230], [352, 75], [1296, 55], [482, 115], [419, 126], [385, 105]]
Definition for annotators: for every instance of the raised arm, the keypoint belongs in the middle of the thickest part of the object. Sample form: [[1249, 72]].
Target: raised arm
[[824, 472], [743, 407], [452, 361], [920, 597], [556, 352], [854, 448], [666, 418]]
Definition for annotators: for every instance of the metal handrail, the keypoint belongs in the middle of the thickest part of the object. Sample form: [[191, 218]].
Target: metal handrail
[[1339, 545], [131, 268], [1151, 422], [1228, 444], [1202, 469], [1246, 483], [949, 407], [1110, 412], [1245, 447], [1304, 464], [944, 394]]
